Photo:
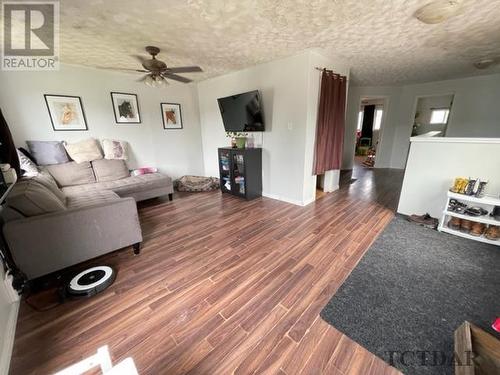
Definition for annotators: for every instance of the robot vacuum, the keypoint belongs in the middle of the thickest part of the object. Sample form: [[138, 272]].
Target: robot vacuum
[[91, 281]]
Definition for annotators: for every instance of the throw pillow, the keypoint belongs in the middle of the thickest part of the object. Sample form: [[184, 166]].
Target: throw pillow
[[86, 150], [72, 173], [27, 166], [114, 149], [48, 152], [110, 170]]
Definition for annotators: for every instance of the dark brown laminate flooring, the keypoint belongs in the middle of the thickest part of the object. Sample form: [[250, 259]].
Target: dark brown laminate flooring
[[224, 286]]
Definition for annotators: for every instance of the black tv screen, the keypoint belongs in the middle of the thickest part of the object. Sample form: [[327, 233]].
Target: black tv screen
[[242, 112]]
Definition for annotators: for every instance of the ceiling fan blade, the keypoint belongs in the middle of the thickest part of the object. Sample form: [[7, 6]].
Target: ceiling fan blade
[[175, 77], [122, 69], [185, 69], [143, 78]]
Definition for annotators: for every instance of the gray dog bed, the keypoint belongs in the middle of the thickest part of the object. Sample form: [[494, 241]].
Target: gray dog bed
[[196, 183]]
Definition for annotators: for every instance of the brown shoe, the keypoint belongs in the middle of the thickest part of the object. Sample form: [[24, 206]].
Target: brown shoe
[[454, 223], [477, 229], [466, 226], [492, 233]]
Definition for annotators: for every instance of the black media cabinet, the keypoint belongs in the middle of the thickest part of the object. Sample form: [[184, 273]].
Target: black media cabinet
[[240, 171]]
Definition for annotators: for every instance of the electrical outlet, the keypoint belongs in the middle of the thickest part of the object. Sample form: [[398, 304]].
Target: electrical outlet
[[290, 126]]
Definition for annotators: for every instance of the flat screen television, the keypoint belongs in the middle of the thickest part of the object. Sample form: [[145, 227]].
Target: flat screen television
[[242, 112]]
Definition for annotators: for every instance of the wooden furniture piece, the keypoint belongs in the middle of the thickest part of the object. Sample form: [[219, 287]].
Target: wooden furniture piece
[[241, 171], [477, 352], [487, 201]]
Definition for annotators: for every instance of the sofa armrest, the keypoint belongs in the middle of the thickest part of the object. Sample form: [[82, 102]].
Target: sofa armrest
[[46, 243]]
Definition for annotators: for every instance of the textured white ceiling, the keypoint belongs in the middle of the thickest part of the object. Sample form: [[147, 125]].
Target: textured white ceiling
[[382, 41]]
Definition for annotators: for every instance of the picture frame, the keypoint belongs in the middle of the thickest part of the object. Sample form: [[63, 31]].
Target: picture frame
[[125, 108], [66, 112], [171, 116]]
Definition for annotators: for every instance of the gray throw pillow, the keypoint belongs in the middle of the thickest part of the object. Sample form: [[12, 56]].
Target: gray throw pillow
[[72, 173], [110, 170], [48, 152]]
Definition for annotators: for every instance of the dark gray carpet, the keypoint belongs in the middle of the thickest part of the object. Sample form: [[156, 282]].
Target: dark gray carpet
[[410, 292]]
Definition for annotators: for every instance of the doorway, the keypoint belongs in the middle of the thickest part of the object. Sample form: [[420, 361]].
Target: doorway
[[371, 117]]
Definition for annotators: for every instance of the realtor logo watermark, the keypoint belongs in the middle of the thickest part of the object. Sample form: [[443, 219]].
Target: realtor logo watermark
[[30, 35]]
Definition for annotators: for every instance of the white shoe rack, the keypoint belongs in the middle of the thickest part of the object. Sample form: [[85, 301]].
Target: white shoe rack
[[487, 202]]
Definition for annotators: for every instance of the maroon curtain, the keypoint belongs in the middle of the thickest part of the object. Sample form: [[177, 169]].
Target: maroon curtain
[[331, 123]]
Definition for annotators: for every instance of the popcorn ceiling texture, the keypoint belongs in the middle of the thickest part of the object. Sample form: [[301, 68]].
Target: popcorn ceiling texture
[[381, 40]]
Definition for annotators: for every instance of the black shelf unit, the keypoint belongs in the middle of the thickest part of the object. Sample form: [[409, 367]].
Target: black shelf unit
[[240, 171]]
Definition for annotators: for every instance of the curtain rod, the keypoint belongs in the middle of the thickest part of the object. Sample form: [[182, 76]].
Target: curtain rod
[[329, 70]]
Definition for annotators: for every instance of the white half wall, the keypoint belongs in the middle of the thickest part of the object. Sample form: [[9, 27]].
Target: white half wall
[[174, 152], [435, 162], [475, 113]]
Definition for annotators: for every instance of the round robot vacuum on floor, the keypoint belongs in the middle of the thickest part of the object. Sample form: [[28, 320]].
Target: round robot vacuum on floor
[[91, 281]]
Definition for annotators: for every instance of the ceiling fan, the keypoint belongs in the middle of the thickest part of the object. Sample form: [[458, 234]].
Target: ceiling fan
[[158, 72]]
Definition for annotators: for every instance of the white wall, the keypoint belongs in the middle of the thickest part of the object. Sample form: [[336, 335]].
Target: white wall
[[475, 113], [175, 152], [282, 84], [434, 163], [289, 89]]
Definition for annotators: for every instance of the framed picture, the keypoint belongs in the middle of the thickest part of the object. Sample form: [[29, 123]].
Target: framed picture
[[171, 115], [126, 108], [66, 112]]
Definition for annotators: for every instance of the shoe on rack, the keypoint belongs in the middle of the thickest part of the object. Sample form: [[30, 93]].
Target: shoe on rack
[[466, 226], [492, 233], [477, 229], [454, 223]]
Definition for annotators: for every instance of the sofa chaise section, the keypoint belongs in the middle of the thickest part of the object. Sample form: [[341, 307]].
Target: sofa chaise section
[[47, 231], [140, 187]]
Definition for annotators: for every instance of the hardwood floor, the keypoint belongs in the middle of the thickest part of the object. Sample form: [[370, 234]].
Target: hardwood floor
[[224, 286]]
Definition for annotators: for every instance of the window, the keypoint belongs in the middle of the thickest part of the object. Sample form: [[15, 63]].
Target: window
[[377, 122], [439, 116], [360, 119]]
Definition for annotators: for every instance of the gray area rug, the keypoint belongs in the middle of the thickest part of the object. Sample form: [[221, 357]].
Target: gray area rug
[[411, 290]]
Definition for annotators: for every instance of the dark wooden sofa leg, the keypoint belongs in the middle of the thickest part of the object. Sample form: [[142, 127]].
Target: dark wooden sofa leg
[[137, 248], [170, 196]]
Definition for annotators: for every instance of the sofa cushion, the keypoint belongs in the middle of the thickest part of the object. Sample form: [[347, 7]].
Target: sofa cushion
[[86, 150], [72, 173], [30, 198], [126, 186], [48, 152], [46, 179], [114, 149], [110, 170], [90, 198]]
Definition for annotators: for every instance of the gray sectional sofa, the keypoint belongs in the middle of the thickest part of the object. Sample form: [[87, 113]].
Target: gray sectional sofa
[[72, 212]]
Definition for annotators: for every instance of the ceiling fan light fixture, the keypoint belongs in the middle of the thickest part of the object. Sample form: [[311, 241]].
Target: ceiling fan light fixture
[[155, 80], [438, 11]]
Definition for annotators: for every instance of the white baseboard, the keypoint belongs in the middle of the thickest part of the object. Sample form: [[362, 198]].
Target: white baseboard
[[283, 199], [336, 187], [8, 339]]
